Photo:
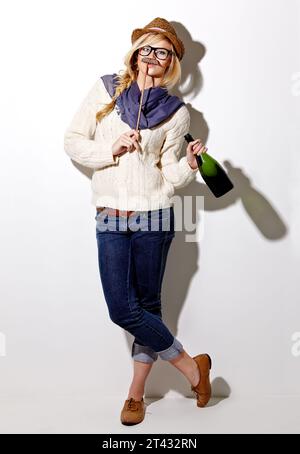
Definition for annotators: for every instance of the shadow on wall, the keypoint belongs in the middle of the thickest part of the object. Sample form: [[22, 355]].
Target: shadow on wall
[[259, 209]]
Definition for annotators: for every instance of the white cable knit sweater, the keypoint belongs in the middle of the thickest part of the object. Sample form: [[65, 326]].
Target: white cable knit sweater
[[135, 180]]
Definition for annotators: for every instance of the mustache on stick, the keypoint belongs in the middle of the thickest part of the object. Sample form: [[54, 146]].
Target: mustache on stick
[[149, 60], [154, 62]]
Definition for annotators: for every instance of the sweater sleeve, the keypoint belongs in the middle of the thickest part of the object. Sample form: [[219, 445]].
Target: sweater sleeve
[[177, 171], [79, 143]]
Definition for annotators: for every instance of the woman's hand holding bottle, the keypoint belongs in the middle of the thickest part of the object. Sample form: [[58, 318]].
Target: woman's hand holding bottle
[[193, 148], [128, 141]]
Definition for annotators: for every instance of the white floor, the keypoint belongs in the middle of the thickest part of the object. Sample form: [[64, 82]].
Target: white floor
[[94, 414]]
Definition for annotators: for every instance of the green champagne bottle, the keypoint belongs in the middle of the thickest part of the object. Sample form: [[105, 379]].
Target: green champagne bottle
[[212, 172]]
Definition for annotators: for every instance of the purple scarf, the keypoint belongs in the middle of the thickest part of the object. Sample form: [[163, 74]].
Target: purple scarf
[[157, 104]]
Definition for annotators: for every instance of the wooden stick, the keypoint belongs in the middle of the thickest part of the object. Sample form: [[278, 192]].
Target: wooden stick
[[141, 100]]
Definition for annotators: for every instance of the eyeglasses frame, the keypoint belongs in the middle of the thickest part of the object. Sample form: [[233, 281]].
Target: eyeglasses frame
[[170, 52]]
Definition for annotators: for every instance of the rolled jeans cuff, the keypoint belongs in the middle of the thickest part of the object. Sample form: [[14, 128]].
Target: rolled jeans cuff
[[171, 352], [143, 353]]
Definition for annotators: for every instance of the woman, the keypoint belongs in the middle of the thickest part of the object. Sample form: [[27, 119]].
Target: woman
[[135, 175]]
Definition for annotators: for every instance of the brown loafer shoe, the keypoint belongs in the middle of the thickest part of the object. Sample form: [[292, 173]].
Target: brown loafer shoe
[[133, 411], [203, 388]]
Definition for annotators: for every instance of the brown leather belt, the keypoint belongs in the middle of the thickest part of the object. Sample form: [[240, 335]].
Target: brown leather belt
[[115, 211]]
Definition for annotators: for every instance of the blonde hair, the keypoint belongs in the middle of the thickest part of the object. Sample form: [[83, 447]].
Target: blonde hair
[[126, 77]]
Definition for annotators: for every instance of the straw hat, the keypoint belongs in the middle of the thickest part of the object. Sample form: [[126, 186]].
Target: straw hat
[[163, 26]]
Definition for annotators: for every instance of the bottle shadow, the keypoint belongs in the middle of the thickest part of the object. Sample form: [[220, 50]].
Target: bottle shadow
[[176, 282]]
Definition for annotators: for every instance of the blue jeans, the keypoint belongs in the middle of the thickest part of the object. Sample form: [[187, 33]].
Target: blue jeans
[[132, 255]]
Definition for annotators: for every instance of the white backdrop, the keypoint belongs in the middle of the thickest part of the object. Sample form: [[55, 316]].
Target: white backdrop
[[235, 293]]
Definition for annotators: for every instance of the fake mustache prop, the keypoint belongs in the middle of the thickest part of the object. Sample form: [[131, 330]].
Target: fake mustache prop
[[148, 61]]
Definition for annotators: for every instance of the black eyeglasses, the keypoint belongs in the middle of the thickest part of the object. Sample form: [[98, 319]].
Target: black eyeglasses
[[160, 52]]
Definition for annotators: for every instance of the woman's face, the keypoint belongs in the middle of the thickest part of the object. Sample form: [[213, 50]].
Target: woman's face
[[160, 67]]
